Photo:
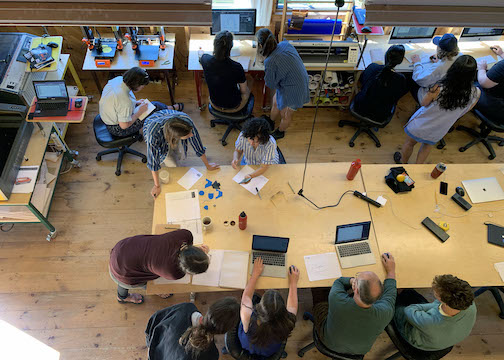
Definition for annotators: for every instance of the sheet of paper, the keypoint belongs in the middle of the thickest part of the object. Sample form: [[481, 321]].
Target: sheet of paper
[[185, 280], [182, 206], [419, 52], [235, 51], [212, 276], [377, 56], [257, 182], [196, 228], [230, 22], [322, 266], [150, 108], [500, 269], [234, 269], [244, 61], [190, 178], [381, 200], [489, 59], [26, 171]]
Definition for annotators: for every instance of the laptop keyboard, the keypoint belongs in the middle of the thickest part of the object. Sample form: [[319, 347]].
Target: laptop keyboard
[[269, 259], [51, 106], [354, 249]]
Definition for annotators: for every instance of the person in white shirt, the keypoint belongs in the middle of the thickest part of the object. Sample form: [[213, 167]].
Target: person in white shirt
[[119, 108]]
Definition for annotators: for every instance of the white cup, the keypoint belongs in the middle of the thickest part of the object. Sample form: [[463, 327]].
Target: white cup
[[207, 223], [164, 176]]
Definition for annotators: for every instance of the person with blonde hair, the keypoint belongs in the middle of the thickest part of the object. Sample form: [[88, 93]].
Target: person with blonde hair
[[164, 131]]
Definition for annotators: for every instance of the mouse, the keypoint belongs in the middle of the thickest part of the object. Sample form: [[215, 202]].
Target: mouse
[[78, 103], [366, 29], [459, 190], [52, 44]]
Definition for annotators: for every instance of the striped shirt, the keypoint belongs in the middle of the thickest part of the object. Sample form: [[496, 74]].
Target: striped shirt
[[264, 154], [157, 147], [286, 73]]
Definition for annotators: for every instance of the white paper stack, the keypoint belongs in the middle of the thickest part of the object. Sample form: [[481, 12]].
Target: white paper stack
[[182, 206], [322, 266]]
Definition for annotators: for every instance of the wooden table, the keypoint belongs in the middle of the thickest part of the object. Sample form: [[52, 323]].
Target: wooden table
[[74, 115], [310, 231], [419, 254]]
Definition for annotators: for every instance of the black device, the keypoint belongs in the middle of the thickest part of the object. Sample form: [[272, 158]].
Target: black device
[[366, 30], [352, 232], [460, 190], [495, 234], [78, 103], [52, 44], [435, 229], [443, 188], [237, 21], [270, 243], [461, 202], [365, 198], [52, 98]]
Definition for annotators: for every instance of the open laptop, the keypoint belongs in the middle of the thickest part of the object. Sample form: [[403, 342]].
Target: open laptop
[[273, 251], [52, 98], [352, 245], [483, 190]]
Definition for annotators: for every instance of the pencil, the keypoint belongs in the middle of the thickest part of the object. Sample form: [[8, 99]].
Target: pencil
[[258, 193]]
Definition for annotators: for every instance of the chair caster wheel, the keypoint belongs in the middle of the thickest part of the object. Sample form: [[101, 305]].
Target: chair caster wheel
[[202, 107], [351, 144], [306, 317], [144, 160], [439, 147], [284, 355], [212, 124], [491, 157], [224, 143], [378, 145], [340, 124], [462, 149], [118, 172], [501, 143], [98, 158], [51, 235]]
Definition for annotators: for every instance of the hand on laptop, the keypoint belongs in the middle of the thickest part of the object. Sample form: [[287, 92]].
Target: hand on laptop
[[258, 267], [388, 262], [293, 275]]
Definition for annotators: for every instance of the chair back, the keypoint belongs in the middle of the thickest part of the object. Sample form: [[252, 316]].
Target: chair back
[[106, 139], [371, 122], [241, 115], [324, 350], [494, 125]]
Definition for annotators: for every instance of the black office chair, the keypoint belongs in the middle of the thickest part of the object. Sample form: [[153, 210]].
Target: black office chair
[[281, 159], [486, 126], [324, 350], [115, 144], [409, 352], [232, 120], [365, 125], [495, 292], [234, 348]]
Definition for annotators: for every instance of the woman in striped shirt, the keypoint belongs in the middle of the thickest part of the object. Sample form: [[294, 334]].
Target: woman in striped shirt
[[163, 131]]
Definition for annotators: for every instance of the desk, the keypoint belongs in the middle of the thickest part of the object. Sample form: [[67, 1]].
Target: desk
[[74, 115], [125, 60], [419, 254], [310, 231]]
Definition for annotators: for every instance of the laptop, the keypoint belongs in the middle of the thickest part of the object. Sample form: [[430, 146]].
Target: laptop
[[273, 252], [352, 245], [483, 190], [52, 98]]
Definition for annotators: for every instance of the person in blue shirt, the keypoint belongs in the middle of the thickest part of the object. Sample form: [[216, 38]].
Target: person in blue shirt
[[286, 74]]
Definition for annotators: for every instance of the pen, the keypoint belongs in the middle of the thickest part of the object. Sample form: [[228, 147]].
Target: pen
[[258, 193]]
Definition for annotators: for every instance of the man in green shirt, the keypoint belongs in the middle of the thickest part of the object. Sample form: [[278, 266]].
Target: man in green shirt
[[438, 325], [350, 324]]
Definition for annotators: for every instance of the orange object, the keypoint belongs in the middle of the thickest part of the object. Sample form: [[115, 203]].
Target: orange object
[[88, 43], [146, 63], [354, 169], [162, 44], [102, 62], [119, 45]]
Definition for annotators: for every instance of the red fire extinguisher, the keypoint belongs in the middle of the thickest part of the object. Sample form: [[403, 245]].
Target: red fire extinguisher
[[354, 169]]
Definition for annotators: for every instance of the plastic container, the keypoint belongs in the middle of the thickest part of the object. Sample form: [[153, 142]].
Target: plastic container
[[438, 170], [242, 221], [354, 169]]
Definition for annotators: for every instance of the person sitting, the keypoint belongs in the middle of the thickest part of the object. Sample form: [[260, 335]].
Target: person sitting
[[267, 322], [442, 323], [225, 77], [181, 332], [138, 259], [350, 324], [491, 101], [444, 104], [382, 87], [119, 108], [426, 75], [163, 131], [257, 146]]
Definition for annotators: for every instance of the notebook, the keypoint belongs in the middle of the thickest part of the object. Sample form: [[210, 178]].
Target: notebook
[[227, 269]]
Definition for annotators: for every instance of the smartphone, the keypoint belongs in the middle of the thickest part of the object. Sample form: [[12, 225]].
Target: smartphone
[[443, 188]]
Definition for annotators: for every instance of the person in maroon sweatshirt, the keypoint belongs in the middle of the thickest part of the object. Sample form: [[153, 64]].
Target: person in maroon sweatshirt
[[138, 259]]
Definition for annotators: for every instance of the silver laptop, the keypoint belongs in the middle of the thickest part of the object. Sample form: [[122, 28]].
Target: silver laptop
[[483, 190], [273, 251], [352, 245]]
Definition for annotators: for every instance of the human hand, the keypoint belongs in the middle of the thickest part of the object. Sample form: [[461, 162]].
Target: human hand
[[434, 58], [212, 166], [482, 65], [388, 262], [142, 108], [234, 164], [497, 50], [246, 179], [155, 191], [293, 275], [205, 248], [258, 267], [415, 58]]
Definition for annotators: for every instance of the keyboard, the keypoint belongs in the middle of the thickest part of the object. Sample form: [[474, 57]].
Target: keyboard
[[52, 106], [358, 248], [269, 258]]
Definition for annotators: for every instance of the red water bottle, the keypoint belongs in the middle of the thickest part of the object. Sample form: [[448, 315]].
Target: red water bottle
[[242, 221], [354, 169]]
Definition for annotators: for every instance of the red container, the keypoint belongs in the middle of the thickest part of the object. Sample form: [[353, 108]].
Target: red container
[[242, 221], [354, 169], [438, 170]]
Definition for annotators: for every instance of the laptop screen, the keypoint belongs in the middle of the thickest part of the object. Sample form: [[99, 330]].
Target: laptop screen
[[50, 90], [352, 232], [270, 243]]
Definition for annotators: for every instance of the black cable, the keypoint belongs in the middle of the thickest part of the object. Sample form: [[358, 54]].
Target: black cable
[[328, 206], [2, 227]]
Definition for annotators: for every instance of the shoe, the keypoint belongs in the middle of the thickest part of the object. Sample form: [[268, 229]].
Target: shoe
[[397, 157], [277, 134], [270, 122]]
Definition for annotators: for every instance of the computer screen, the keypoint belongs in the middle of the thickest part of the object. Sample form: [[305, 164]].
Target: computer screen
[[239, 22], [352, 232], [50, 89], [270, 243], [475, 34], [402, 35]]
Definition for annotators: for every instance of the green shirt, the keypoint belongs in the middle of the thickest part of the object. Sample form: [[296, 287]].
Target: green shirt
[[424, 327], [350, 329]]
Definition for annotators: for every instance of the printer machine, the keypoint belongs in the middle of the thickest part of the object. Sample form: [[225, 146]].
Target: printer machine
[[314, 52]]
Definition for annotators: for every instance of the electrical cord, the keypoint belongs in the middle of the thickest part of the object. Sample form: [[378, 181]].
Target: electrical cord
[[4, 230], [327, 206]]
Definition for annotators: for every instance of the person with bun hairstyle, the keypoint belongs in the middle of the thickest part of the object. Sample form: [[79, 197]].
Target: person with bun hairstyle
[[286, 74], [382, 87], [181, 332]]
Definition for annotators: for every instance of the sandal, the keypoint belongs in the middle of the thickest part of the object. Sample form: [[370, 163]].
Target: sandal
[[180, 106], [121, 301], [397, 157], [165, 296]]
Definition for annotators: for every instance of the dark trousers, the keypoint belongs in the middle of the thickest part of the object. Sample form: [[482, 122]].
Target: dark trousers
[[492, 107], [408, 297], [414, 87], [320, 306], [122, 293]]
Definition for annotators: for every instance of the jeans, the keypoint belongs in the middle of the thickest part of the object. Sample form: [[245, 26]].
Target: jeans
[[123, 289]]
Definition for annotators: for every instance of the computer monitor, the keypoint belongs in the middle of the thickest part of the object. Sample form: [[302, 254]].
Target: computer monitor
[[405, 35], [50, 90], [481, 34], [237, 21]]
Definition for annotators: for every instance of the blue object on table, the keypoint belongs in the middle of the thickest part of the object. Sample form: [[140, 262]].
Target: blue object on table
[[208, 183], [360, 15], [317, 26], [201, 193], [219, 195], [205, 207], [210, 196]]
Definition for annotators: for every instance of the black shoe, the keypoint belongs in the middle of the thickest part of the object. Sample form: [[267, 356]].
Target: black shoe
[[277, 134], [397, 157], [270, 122]]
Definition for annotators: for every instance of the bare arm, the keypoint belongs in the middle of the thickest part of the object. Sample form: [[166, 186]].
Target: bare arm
[[262, 169], [430, 96], [156, 189], [236, 158], [245, 94], [246, 308], [483, 79], [134, 117], [478, 96], [292, 299], [210, 166]]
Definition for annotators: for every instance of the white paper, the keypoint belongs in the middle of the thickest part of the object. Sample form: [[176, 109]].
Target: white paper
[[409, 54], [185, 280], [182, 206], [235, 51], [500, 269], [190, 178], [244, 61], [196, 229], [322, 266], [489, 59], [381, 200], [257, 182], [377, 56], [26, 171], [150, 108], [234, 269], [212, 276]]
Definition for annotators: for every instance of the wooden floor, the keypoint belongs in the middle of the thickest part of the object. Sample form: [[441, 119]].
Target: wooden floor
[[60, 292]]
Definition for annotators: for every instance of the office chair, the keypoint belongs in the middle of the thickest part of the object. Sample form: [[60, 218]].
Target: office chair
[[486, 126], [232, 120], [495, 292], [324, 350], [365, 125], [115, 144], [409, 352], [281, 159]]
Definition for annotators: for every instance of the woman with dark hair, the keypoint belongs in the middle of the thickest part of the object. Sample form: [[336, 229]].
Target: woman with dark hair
[[225, 77], [286, 74], [382, 87], [257, 146], [265, 324], [448, 100], [181, 332]]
